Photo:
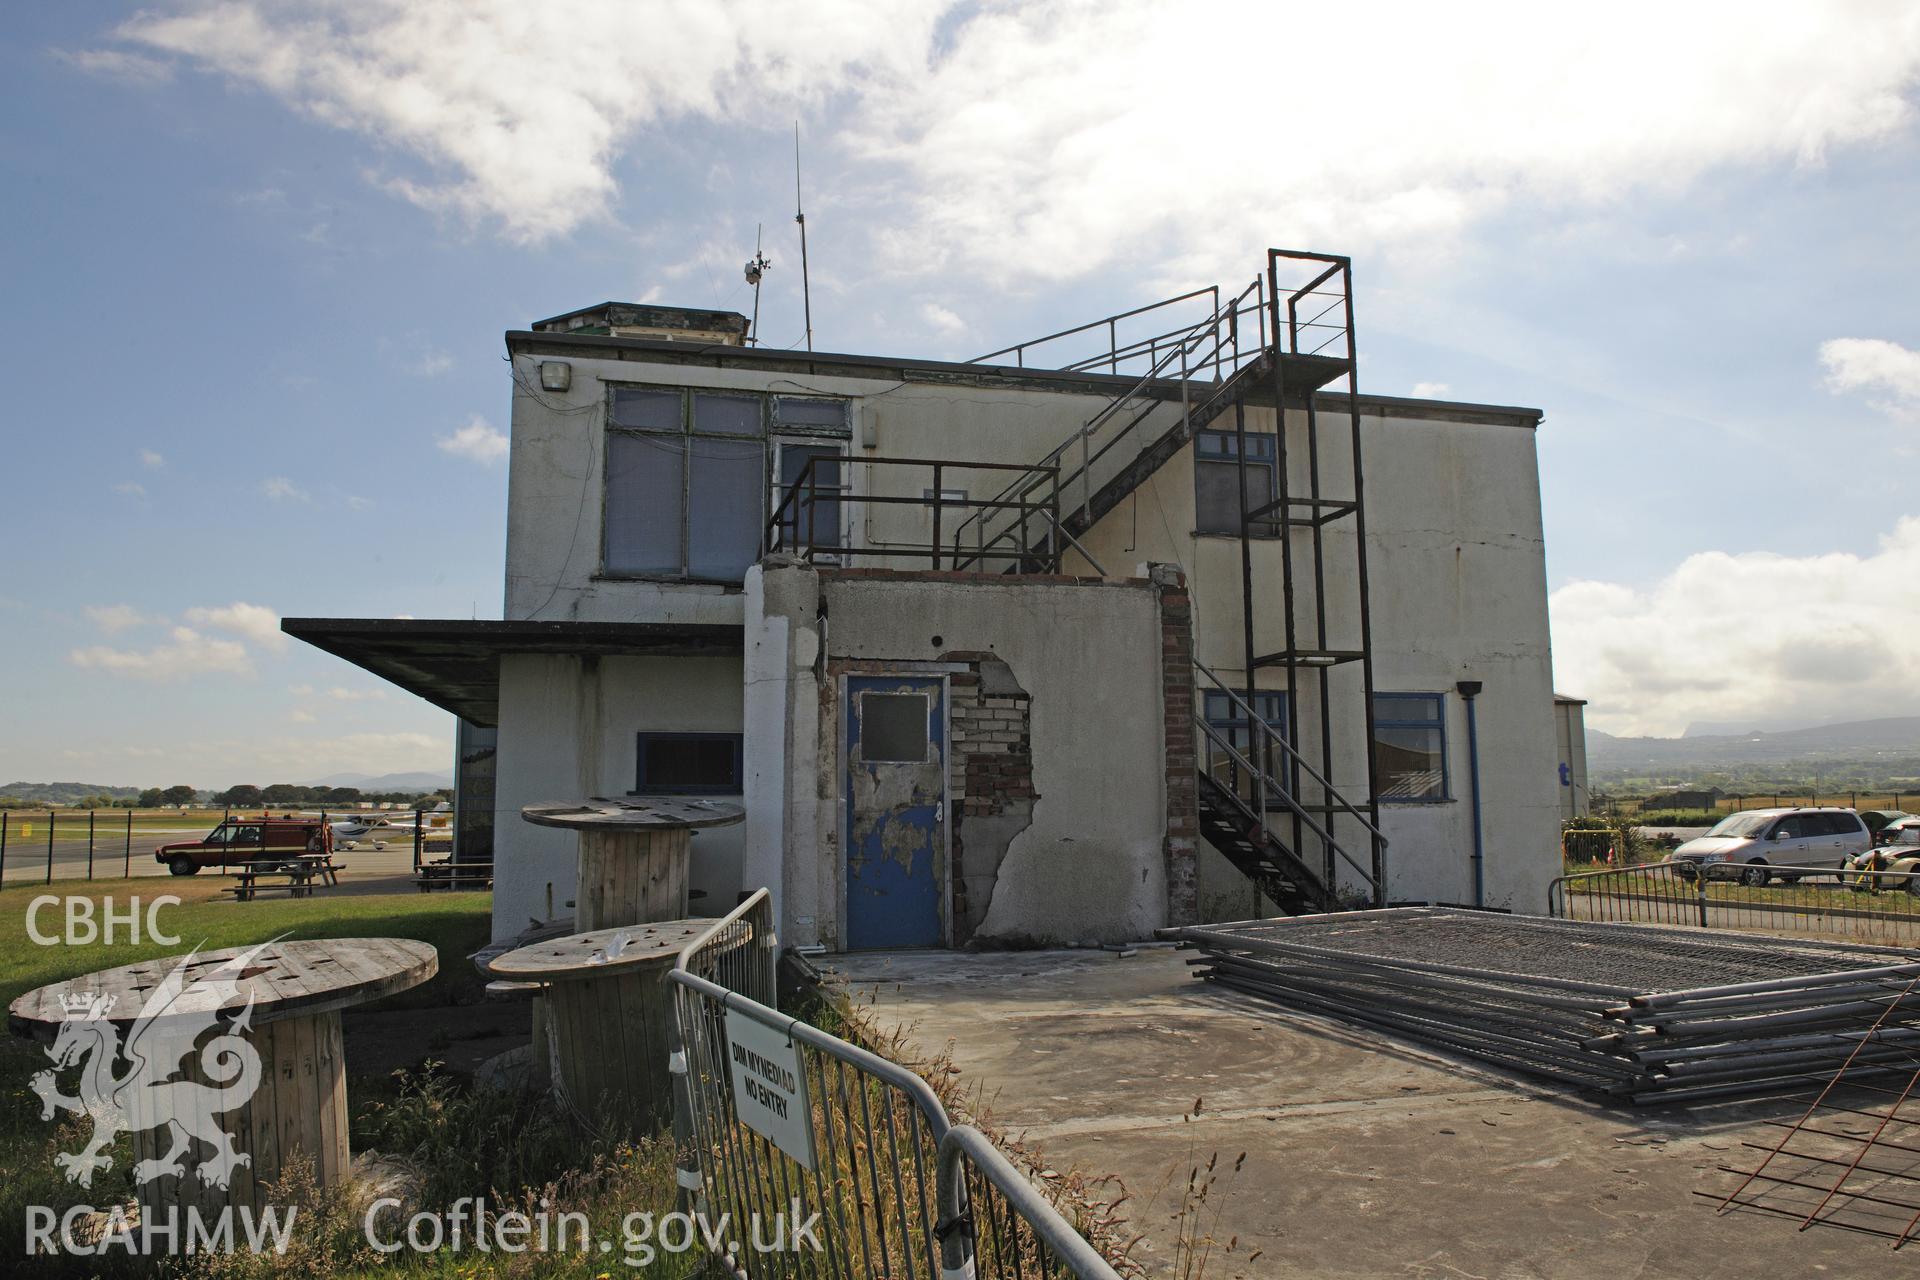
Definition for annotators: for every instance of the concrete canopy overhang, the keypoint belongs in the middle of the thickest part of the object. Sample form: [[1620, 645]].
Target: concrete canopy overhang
[[455, 664]]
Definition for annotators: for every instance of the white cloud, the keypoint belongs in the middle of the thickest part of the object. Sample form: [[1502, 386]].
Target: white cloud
[[117, 64], [151, 460], [112, 618], [300, 715], [1874, 364], [1028, 141], [188, 653], [1753, 636], [131, 489], [254, 622], [479, 441], [281, 489], [518, 117], [944, 322], [340, 694], [1019, 136], [1430, 390]]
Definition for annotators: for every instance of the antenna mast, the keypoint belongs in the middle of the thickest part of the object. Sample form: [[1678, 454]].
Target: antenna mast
[[757, 266], [800, 216]]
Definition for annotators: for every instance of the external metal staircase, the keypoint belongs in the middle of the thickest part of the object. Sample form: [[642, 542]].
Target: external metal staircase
[[1266, 797]]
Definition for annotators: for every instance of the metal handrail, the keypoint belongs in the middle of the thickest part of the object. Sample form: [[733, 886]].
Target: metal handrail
[[1018, 350], [805, 494], [1213, 735], [1226, 317], [1241, 705], [956, 1229], [759, 905]]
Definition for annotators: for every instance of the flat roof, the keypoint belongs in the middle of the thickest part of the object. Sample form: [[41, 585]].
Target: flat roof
[[455, 663], [1302, 371]]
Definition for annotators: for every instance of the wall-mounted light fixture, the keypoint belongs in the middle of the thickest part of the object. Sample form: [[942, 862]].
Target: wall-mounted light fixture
[[555, 375]]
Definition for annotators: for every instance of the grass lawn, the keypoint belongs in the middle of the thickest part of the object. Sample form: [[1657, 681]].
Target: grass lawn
[[455, 923]]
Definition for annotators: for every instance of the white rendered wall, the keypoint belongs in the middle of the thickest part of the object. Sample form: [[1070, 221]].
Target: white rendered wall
[[1090, 865], [1457, 571], [567, 727]]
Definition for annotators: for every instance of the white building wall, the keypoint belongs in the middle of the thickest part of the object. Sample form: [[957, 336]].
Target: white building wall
[[567, 727], [1090, 864], [1457, 573], [1455, 553]]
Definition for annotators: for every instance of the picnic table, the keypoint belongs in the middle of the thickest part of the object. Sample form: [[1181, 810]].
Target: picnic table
[[633, 855], [607, 1012], [256, 1028], [445, 873], [300, 873]]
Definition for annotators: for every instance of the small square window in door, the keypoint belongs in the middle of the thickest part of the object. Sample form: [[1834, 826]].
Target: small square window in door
[[893, 728]]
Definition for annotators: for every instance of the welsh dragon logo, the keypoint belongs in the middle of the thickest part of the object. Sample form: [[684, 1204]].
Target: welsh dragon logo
[[144, 1095]]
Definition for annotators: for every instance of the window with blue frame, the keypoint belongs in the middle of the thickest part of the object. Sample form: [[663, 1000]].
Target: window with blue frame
[[688, 764], [1269, 704], [1216, 481], [1231, 722], [1410, 746]]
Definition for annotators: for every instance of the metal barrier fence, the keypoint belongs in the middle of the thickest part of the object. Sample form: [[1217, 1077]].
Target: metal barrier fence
[[1864, 906], [900, 1191]]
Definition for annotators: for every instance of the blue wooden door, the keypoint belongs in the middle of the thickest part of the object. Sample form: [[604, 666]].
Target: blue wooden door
[[896, 811]]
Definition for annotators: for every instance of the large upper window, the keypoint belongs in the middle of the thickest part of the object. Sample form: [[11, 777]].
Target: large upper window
[[1410, 745], [687, 475], [1216, 481]]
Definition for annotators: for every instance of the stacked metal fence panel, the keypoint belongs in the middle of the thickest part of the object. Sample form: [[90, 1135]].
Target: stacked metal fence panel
[[1644, 1013]]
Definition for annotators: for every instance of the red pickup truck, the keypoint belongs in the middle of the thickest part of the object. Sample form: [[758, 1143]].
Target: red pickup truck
[[247, 839]]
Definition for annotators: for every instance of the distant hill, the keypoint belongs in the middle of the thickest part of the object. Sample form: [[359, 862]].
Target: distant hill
[[417, 781], [1891, 741], [63, 792]]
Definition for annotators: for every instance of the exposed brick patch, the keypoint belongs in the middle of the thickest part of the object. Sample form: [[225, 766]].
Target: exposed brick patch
[[1176, 685], [989, 766], [990, 775]]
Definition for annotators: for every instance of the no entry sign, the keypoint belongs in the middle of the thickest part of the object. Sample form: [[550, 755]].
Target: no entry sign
[[770, 1085]]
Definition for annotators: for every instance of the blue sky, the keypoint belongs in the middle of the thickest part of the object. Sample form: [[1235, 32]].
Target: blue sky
[[260, 257]]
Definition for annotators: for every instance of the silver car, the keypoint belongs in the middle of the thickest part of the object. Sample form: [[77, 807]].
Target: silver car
[[1759, 840]]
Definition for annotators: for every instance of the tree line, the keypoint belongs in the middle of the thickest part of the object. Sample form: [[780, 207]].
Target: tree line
[[243, 796]]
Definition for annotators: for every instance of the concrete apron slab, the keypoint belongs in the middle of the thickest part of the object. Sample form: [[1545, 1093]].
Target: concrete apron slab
[[1364, 1156]]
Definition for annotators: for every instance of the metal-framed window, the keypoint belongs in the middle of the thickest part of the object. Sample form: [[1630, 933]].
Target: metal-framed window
[[1269, 704], [1216, 481], [1410, 746], [688, 764], [687, 476], [816, 519], [1220, 712]]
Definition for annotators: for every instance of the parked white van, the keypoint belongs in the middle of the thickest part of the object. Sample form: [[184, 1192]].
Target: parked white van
[[1760, 839]]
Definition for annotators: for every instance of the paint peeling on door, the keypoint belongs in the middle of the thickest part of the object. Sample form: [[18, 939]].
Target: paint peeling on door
[[896, 813]]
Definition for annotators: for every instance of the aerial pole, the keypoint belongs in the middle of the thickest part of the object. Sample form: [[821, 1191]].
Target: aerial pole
[[800, 216], [757, 266]]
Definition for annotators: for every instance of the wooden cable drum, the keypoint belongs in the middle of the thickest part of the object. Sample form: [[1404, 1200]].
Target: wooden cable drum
[[608, 1016]]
